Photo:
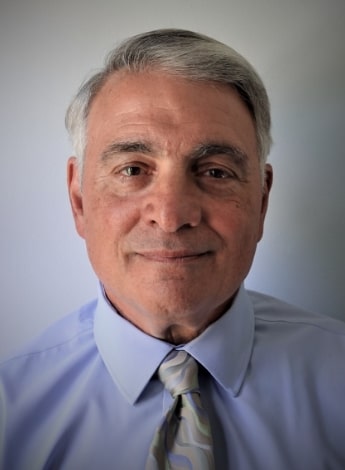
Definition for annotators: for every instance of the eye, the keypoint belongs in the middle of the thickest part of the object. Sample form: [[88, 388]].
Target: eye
[[218, 173], [131, 170]]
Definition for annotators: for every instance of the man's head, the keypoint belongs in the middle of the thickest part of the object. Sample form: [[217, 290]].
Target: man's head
[[182, 53], [174, 189]]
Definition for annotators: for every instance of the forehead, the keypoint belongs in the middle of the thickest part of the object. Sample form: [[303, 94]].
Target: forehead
[[155, 102]]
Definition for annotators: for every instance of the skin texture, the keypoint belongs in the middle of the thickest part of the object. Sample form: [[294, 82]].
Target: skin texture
[[172, 202]]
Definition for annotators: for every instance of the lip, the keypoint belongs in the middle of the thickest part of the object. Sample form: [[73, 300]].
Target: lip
[[181, 256]]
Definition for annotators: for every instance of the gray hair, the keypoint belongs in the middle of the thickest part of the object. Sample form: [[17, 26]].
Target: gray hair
[[183, 53]]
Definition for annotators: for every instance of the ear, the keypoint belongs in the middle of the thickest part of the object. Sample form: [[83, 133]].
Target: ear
[[75, 194], [267, 185]]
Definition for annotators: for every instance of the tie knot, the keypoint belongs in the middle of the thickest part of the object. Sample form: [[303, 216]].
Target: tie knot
[[179, 373]]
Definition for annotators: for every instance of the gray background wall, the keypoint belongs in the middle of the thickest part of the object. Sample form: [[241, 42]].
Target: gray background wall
[[47, 47]]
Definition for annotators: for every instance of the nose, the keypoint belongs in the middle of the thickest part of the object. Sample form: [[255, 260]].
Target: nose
[[173, 204]]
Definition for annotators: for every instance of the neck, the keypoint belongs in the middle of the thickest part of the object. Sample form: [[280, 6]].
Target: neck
[[171, 330], [179, 334]]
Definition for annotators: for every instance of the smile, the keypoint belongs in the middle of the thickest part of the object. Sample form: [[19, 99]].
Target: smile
[[173, 256]]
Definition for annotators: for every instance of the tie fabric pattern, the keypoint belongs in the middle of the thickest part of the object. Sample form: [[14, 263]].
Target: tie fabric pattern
[[183, 441]]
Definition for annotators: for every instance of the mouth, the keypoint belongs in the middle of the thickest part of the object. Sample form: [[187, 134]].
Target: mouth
[[168, 256]]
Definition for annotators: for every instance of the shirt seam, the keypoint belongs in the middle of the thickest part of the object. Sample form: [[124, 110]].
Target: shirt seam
[[301, 322], [43, 350]]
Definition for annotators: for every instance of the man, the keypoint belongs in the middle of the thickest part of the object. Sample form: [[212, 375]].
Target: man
[[169, 188]]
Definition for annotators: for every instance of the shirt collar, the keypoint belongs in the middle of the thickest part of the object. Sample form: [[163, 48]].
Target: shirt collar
[[225, 347], [132, 357]]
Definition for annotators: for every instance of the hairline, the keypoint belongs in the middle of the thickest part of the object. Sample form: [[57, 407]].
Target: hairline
[[97, 88], [131, 56]]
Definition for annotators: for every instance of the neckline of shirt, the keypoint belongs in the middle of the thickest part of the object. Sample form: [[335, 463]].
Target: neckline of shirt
[[132, 357]]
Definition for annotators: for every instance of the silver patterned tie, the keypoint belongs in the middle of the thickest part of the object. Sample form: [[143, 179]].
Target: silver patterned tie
[[183, 441]]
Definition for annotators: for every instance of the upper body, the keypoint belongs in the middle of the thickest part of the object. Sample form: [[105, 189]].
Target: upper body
[[85, 394], [169, 187]]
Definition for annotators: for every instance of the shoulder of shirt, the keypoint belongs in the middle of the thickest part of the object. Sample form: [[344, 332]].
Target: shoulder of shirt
[[63, 332], [272, 310]]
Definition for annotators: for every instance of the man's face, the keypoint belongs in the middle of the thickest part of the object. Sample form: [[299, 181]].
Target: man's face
[[172, 203]]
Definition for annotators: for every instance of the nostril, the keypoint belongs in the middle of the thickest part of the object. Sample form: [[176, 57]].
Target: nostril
[[173, 214]]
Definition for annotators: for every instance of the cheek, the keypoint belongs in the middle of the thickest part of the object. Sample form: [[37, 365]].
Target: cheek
[[108, 219], [239, 226]]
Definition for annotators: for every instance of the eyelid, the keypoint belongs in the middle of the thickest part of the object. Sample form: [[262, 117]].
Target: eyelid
[[226, 175], [144, 168], [130, 165], [200, 167]]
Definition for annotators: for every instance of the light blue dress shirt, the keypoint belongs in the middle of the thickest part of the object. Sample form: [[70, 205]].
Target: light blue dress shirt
[[84, 395]]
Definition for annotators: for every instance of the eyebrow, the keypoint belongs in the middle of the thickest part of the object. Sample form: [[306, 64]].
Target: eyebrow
[[204, 150], [235, 155], [125, 147], [211, 149]]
